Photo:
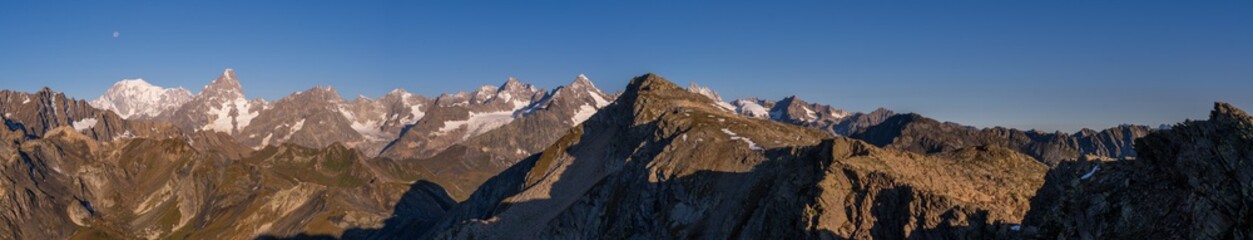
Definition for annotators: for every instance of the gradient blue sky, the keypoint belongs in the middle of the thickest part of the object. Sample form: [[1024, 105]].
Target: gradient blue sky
[[1026, 64]]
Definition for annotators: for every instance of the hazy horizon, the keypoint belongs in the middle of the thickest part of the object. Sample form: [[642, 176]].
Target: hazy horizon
[[1049, 66]]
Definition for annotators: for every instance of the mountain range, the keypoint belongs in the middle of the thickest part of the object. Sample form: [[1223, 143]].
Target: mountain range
[[656, 161]]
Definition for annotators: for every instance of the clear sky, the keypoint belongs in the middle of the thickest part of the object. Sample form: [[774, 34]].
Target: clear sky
[[1052, 65]]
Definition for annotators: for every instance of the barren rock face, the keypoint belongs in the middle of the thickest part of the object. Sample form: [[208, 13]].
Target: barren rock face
[[1189, 182]]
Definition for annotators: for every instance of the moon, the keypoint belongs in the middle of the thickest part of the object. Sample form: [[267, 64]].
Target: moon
[[116, 34]]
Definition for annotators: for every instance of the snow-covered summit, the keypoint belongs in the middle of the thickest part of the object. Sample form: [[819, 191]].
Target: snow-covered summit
[[136, 98], [695, 88]]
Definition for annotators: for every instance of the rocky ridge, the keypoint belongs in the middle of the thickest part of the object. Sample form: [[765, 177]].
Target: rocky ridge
[[689, 168], [915, 133], [1191, 181]]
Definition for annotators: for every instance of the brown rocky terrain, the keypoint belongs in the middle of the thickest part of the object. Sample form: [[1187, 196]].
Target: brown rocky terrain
[[1189, 182], [66, 185], [463, 165], [664, 163], [656, 161], [310, 118]]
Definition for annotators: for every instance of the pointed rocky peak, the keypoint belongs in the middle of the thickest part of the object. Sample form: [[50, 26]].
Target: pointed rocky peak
[[1227, 113], [319, 93], [398, 91], [398, 94], [696, 88], [484, 93], [513, 85], [791, 101], [514, 88], [225, 84], [582, 82], [902, 120], [48, 96], [46, 91], [446, 99], [650, 82], [882, 111], [228, 73], [651, 95]]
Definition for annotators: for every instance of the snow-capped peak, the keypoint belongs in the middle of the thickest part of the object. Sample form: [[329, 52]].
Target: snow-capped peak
[[693, 87], [140, 99], [229, 73], [225, 84], [582, 81]]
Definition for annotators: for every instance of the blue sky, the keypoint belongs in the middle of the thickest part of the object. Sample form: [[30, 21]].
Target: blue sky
[[1027, 64]]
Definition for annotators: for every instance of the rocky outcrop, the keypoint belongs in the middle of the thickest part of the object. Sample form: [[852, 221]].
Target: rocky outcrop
[[663, 163], [1191, 181], [915, 133]]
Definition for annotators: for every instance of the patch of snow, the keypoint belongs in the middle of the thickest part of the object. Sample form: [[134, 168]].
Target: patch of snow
[[8, 115], [25, 100], [1015, 228], [751, 145], [368, 129], [1089, 174], [839, 114], [125, 135], [709, 93], [519, 104], [222, 120], [724, 106], [264, 141], [415, 114], [684, 137], [84, 124], [299, 125], [810, 114], [478, 123], [752, 109], [582, 114], [600, 101]]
